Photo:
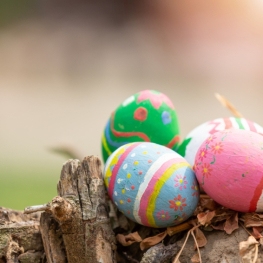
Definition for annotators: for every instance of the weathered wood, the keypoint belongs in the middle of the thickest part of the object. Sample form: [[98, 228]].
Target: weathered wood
[[52, 239], [31, 257], [82, 215], [95, 214], [20, 238]]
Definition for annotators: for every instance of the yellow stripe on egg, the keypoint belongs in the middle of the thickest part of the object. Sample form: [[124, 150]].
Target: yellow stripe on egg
[[159, 184]]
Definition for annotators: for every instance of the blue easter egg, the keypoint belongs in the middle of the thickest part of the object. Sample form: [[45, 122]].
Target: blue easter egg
[[151, 184]]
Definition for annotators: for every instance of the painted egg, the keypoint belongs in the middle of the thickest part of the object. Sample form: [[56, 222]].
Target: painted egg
[[151, 184], [146, 116], [229, 167], [196, 137]]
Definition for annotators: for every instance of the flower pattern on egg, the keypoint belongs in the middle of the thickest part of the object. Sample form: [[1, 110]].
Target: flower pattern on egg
[[163, 215], [202, 154], [166, 117], [181, 182], [206, 169], [178, 203], [217, 148]]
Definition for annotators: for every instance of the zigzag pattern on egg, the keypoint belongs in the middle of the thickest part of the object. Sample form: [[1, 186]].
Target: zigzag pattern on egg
[[188, 148]]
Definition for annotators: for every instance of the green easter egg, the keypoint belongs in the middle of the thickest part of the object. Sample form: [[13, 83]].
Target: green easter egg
[[147, 116]]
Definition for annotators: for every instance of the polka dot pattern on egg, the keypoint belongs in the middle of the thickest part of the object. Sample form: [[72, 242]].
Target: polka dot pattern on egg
[[157, 188]]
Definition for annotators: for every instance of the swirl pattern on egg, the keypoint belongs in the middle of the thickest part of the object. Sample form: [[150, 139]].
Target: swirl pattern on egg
[[147, 116]]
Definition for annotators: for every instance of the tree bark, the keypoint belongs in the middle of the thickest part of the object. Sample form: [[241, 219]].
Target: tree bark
[[52, 239], [82, 215], [74, 227], [20, 238]]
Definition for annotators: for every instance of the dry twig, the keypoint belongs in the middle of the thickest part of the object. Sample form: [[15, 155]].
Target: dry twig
[[227, 104]]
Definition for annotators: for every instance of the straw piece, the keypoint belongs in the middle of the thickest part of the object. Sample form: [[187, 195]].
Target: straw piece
[[227, 104], [176, 260]]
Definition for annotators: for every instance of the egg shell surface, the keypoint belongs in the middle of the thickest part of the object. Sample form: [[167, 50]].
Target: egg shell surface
[[151, 184], [145, 116], [190, 145], [229, 167]]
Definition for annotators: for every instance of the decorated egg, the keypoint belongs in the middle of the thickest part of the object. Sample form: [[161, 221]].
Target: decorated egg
[[229, 167], [151, 184], [146, 116], [196, 137]]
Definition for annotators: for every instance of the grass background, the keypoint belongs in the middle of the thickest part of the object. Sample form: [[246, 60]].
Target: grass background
[[27, 186]]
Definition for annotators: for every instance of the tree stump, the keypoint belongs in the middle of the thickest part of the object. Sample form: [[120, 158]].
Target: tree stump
[[83, 233], [75, 226], [20, 238]]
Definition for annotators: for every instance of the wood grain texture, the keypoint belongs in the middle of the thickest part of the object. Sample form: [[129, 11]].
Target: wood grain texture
[[82, 214], [20, 238]]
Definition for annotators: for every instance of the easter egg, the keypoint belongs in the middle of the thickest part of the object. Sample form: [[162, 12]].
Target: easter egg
[[151, 184], [197, 136], [146, 116], [229, 167]]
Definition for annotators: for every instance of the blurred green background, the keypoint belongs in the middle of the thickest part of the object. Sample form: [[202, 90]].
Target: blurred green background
[[65, 66], [12, 10]]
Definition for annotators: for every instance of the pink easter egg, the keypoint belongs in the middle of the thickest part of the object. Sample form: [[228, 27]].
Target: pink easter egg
[[229, 167]]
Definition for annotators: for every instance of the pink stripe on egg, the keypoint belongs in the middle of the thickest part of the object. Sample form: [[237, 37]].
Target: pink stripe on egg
[[228, 123], [146, 195], [117, 167], [256, 196], [251, 126]]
